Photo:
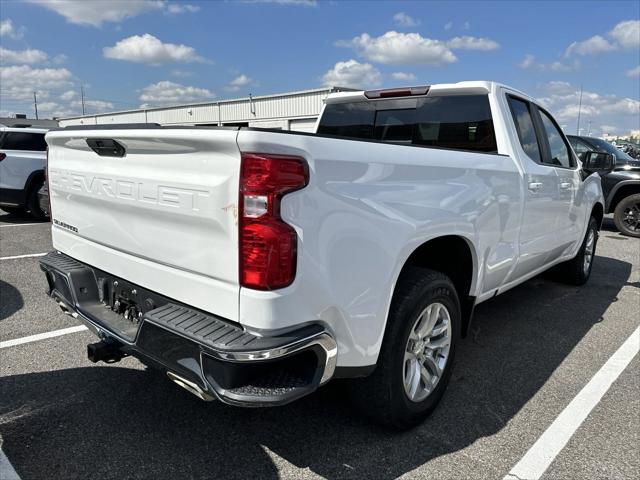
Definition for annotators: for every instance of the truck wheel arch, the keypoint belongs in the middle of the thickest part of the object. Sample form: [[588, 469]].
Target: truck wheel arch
[[620, 191], [34, 177], [454, 256]]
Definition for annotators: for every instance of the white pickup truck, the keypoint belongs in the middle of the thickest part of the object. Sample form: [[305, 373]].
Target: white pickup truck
[[255, 265]]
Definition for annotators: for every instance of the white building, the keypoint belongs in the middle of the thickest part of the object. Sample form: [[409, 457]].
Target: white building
[[286, 111]]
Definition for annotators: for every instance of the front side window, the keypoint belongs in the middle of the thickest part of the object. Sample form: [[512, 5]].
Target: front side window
[[558, 149], [524, 126], [456, 122], [579, 147], [24, 141]]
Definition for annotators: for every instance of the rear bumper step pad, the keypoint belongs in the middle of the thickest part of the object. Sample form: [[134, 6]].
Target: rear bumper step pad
[[207, 355]]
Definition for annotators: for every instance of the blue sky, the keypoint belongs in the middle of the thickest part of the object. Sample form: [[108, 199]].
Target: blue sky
[[138, 52]]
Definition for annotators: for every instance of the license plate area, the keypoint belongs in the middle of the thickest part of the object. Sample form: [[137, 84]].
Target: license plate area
[[120, 306]]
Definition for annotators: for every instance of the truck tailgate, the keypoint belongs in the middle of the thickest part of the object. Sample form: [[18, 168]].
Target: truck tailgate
[[162, 215]]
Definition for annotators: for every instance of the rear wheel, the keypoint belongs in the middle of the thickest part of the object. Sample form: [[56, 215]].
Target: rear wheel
[[417, 353], [627, 216], [33, 203]]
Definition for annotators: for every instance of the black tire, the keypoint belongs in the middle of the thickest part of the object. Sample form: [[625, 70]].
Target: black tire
[[627, 216], [33, 203], [381, 396], [14, 210], [574, 271]]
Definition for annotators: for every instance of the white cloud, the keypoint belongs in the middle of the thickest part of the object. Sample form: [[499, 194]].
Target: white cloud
[[559, 87], [8, 30], [352, 74], [151, 50], [591, 46], [627, 33], [448, 26], [6, 27], [563, 100], [68, 95], [59, 59], [95, 106], [96, 12], [401, 49], [28, 56], [396, 48], [466, 25], [530, 63], [472, 43], [178, 8], [401, 19], [634, 72], [403, 77], [20, 81], [170, 93], [239, 82]]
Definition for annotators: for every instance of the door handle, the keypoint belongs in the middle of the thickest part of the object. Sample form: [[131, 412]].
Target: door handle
[[535, 186], [565, 186]]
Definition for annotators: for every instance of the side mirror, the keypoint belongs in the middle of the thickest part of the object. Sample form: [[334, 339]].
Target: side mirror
[[598, 162]]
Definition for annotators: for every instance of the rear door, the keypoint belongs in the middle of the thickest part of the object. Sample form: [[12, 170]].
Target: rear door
[[24, 154], [538, 238]]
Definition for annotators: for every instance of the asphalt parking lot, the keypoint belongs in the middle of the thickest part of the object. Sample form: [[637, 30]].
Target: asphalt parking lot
[[532, 350]]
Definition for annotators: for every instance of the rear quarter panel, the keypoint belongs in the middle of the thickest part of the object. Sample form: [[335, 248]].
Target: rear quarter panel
[[367, 207]]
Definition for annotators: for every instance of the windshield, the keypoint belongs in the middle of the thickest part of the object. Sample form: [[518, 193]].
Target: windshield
[[603, 145]]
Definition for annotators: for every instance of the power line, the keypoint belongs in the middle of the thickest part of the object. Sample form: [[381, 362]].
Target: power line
[[35, 104]]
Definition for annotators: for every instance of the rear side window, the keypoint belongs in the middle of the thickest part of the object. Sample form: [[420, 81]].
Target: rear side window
[[526, 131], [24, 141], [456, 122]]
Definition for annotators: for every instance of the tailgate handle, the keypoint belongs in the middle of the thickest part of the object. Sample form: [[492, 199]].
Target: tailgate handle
[[106, 147]]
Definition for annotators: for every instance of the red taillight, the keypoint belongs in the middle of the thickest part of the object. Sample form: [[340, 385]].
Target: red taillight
[[2, 156], [268, 245]]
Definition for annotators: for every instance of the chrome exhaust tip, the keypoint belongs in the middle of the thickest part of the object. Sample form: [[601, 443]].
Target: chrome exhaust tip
[[191, 387]]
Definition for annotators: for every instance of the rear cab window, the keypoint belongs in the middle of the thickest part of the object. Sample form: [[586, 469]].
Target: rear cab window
[[461, 122]]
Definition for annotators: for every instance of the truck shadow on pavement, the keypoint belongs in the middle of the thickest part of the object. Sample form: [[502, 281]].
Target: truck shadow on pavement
[[115, 422], [10, 300]]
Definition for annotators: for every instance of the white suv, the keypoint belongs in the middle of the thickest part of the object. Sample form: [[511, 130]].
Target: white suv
[[22, 162]]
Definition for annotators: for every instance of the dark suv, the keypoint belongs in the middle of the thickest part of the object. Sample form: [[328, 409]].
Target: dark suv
[[620, 186]]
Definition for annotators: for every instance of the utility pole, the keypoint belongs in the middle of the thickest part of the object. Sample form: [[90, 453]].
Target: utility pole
[[82, 97], [589, 130], [35, 104], [579, 111]]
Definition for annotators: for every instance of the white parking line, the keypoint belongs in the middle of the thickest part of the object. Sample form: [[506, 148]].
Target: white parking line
[[29, 255], [21, 224], [42, 336], [536, 461], [7, 472]]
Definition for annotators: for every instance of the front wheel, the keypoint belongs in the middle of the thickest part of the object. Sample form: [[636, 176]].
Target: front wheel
[[417, 352], [627, 215], [578, 270]]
